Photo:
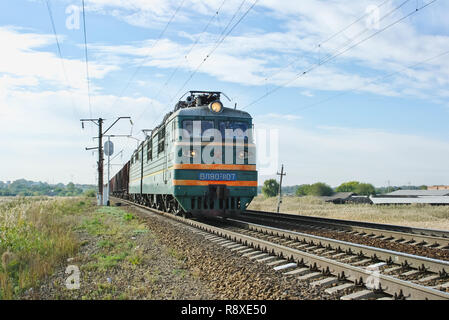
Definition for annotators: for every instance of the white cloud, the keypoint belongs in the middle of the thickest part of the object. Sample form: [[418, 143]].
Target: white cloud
[[22, 60], [335, 155], [44, 135], [35, 101], [257, 54]]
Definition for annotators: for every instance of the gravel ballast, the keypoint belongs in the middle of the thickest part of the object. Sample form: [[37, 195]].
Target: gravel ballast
[[228, 274]]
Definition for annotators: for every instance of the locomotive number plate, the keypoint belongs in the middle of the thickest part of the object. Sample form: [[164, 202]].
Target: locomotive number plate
[[217, 176]]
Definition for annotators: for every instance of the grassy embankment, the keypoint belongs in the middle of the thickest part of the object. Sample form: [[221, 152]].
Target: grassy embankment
[[34, 237], [422, 216], [38, 235]]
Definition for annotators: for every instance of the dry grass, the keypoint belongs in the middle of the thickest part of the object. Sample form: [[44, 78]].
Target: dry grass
[[6, 199], [422, 216], [35, 236]]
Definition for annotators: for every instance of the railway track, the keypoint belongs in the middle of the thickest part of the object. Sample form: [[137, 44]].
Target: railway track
[[351, 270], [436, 239]]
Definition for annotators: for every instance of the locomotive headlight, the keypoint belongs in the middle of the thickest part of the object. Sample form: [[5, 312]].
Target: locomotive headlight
[[216, 106], [243, 154], [190, 154]]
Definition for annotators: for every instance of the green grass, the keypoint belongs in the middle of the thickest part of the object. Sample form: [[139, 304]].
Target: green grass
[[116, 227], [128, 217], [35, 236], [106, 244], [135, 260]]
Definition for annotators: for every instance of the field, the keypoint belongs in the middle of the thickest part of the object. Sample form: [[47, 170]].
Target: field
[[422, 216]]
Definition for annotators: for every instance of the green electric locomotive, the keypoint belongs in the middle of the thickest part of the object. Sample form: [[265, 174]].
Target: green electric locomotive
[[199, 161]]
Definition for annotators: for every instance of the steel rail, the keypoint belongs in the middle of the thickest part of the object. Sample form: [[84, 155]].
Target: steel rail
[[418, 262], [419, 235], [390, 285]]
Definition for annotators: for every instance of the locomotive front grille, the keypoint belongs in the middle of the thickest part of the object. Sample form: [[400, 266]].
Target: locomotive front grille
[[209, 203]]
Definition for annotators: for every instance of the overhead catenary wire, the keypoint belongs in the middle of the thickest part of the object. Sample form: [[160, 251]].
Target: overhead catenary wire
[[189, 51], [334, 35], [216, 46], [86, 60], [383, 77], [317, 65], [50, 14], [219, 41], [139, 67], [61, 57]]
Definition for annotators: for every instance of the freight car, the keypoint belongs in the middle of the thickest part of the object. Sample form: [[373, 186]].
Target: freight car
[[199, 161]]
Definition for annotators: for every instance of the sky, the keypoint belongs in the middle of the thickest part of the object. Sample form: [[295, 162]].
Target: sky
[[353, 90]]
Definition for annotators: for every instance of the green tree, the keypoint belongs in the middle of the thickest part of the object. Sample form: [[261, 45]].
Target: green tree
[[303, 190], [348, 186], [90, 193], [365, 189], [70, 187], [321, 189], [423, 187], [270, 188]]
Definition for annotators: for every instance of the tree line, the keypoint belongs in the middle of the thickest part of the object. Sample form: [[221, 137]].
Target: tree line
[[271, 189], [24, 187]]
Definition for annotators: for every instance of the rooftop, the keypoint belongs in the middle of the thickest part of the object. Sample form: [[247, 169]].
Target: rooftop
[[423, 200], [418, 193]]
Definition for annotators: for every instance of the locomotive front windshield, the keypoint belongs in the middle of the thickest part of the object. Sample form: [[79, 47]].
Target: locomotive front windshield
[[238, 129], [228, 129], [205, 125]]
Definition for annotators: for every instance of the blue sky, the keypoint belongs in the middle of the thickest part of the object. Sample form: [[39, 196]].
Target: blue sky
[[344, 120]]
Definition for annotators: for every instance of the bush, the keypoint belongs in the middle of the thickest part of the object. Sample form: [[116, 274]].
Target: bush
[[91, 193], [321, 189], [316, 189], [365, 189], [348, 186], [270, 188], [303, 190]]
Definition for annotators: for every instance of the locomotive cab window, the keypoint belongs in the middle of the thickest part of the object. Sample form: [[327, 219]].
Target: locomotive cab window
[[239, 129], [189, 126], [161, 140], [150, 150]]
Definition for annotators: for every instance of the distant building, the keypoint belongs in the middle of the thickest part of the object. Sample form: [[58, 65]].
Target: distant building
[[418, 193], [443, 200], [432, 197], [438, 188]]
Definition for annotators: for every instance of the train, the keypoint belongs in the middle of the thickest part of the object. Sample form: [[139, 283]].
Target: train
[[200, 161]]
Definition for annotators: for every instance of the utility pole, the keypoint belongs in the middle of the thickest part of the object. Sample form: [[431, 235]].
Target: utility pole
[[99, 123], [100, 160], [282, 174]]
